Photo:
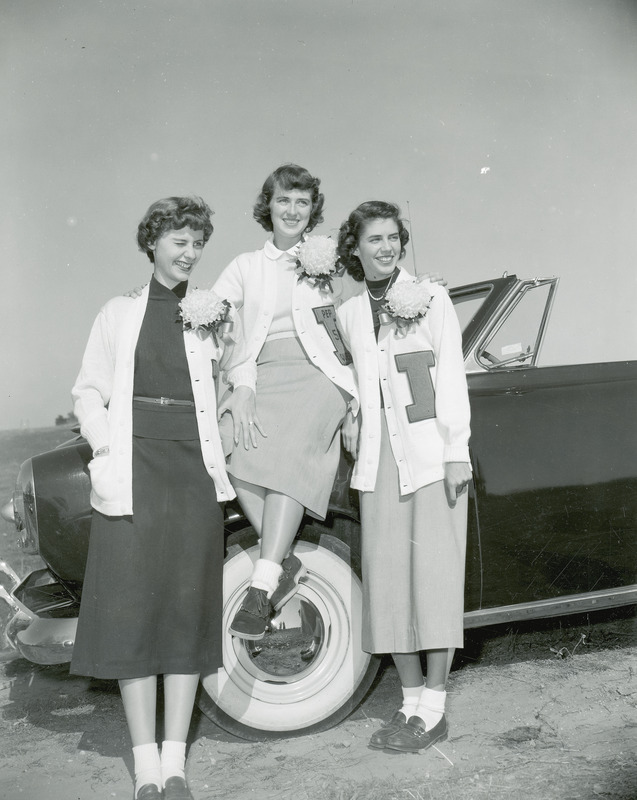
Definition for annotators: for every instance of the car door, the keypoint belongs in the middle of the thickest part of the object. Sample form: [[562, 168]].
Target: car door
[[554, 463]]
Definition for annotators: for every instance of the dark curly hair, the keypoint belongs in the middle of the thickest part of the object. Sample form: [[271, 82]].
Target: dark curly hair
[[352, 229], [289, 176], [173, 214]]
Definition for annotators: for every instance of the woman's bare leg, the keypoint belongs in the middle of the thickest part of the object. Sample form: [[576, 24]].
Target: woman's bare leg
[[179, 699], [139, 696], [282, 518], [252, 500], [438, 666], [409, 670]]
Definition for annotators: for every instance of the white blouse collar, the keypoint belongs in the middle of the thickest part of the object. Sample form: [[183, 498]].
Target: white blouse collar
[[273, 252]]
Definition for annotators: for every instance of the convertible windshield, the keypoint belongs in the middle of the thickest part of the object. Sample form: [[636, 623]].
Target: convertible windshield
[[468, 305]]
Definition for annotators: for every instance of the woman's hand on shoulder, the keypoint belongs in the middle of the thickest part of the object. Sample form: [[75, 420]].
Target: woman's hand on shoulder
[[350, 432], [434, 277], [241, 404], [134, 293], [458, 475]]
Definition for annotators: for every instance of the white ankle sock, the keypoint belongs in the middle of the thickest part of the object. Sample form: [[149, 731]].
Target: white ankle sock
[[173, 760], [266, 575], [411, 696], [147, 766], [431, 707]]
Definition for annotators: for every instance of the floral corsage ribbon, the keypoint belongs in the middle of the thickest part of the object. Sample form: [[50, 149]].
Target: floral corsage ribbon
[[405, 304], [203, 310], [316, 262]]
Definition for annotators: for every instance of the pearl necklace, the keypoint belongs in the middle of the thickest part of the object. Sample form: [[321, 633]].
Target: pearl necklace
[[385, 290]]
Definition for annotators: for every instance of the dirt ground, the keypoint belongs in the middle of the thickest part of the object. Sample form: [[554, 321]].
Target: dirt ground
[[539, 711], [534, 714]]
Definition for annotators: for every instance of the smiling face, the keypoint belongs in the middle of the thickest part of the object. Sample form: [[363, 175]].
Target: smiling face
[[379, 248], [290, 211], [176, 254]]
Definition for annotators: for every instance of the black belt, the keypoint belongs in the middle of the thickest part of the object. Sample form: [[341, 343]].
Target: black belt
[[164, 401]]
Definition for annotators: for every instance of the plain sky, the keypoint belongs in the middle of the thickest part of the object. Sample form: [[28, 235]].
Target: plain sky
[[507, 129]]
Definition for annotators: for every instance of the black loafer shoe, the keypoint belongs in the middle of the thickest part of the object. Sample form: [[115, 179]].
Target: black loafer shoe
[[252, 618], [293, 572], [177, 789], [149, 791], [380, 737], [413, 737]]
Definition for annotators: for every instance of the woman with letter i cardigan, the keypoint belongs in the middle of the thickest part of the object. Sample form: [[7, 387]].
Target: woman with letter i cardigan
[[412, 468], [146, 401]]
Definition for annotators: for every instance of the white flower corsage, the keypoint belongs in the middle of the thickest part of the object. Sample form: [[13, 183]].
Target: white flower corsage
[[316, 261], [203, 310], [405, 303]]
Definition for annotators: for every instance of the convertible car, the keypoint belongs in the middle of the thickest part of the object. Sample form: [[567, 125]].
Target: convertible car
[[552, 527]]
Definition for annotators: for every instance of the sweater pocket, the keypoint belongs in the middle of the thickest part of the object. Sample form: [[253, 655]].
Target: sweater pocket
[[103, 481]]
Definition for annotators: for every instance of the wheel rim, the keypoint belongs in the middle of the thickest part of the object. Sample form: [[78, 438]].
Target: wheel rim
[[277, 689]]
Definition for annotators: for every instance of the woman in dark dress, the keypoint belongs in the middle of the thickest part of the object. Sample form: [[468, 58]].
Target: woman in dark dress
[[146, 401]]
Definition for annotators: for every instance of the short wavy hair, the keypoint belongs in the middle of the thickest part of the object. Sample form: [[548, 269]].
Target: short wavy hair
[[173, 214], [352, 229], [289, 176]]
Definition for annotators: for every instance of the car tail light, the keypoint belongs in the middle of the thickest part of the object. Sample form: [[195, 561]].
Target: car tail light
[[24, 508]]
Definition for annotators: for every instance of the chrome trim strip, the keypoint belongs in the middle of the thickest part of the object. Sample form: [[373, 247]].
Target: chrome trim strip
[[555, 607]]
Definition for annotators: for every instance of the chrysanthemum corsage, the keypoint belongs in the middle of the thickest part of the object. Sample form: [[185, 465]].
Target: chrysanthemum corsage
[[316, 261], [405, 303], [203, 310]]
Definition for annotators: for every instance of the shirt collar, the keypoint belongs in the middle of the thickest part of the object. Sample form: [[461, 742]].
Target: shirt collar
[[274, 254]]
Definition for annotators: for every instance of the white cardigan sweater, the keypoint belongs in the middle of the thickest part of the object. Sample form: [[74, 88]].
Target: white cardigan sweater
[[422, 376], [103, 397], [249, 282]]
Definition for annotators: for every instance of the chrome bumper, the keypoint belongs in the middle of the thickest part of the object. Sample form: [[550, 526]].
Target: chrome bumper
[[42, 640]]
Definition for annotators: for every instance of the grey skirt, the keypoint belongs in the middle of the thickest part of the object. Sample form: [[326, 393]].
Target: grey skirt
[[301, 411], [413, 554]]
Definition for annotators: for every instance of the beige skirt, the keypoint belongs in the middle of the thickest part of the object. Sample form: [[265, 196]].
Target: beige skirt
[[301, 411], [413, 554]]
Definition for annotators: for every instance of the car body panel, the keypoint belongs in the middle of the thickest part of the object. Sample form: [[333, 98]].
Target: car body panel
[[555, 480]]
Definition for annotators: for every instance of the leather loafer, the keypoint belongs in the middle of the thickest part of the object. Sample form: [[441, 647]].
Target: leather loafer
[[177, 789], [412, 738], [380, 737], [149, 791]]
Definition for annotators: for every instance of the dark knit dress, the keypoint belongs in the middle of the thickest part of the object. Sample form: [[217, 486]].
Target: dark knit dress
[[152, 596]]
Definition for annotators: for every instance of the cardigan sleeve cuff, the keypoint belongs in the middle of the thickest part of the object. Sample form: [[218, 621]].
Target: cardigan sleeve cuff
[[95, 431], [244, 375], [457, 452]]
